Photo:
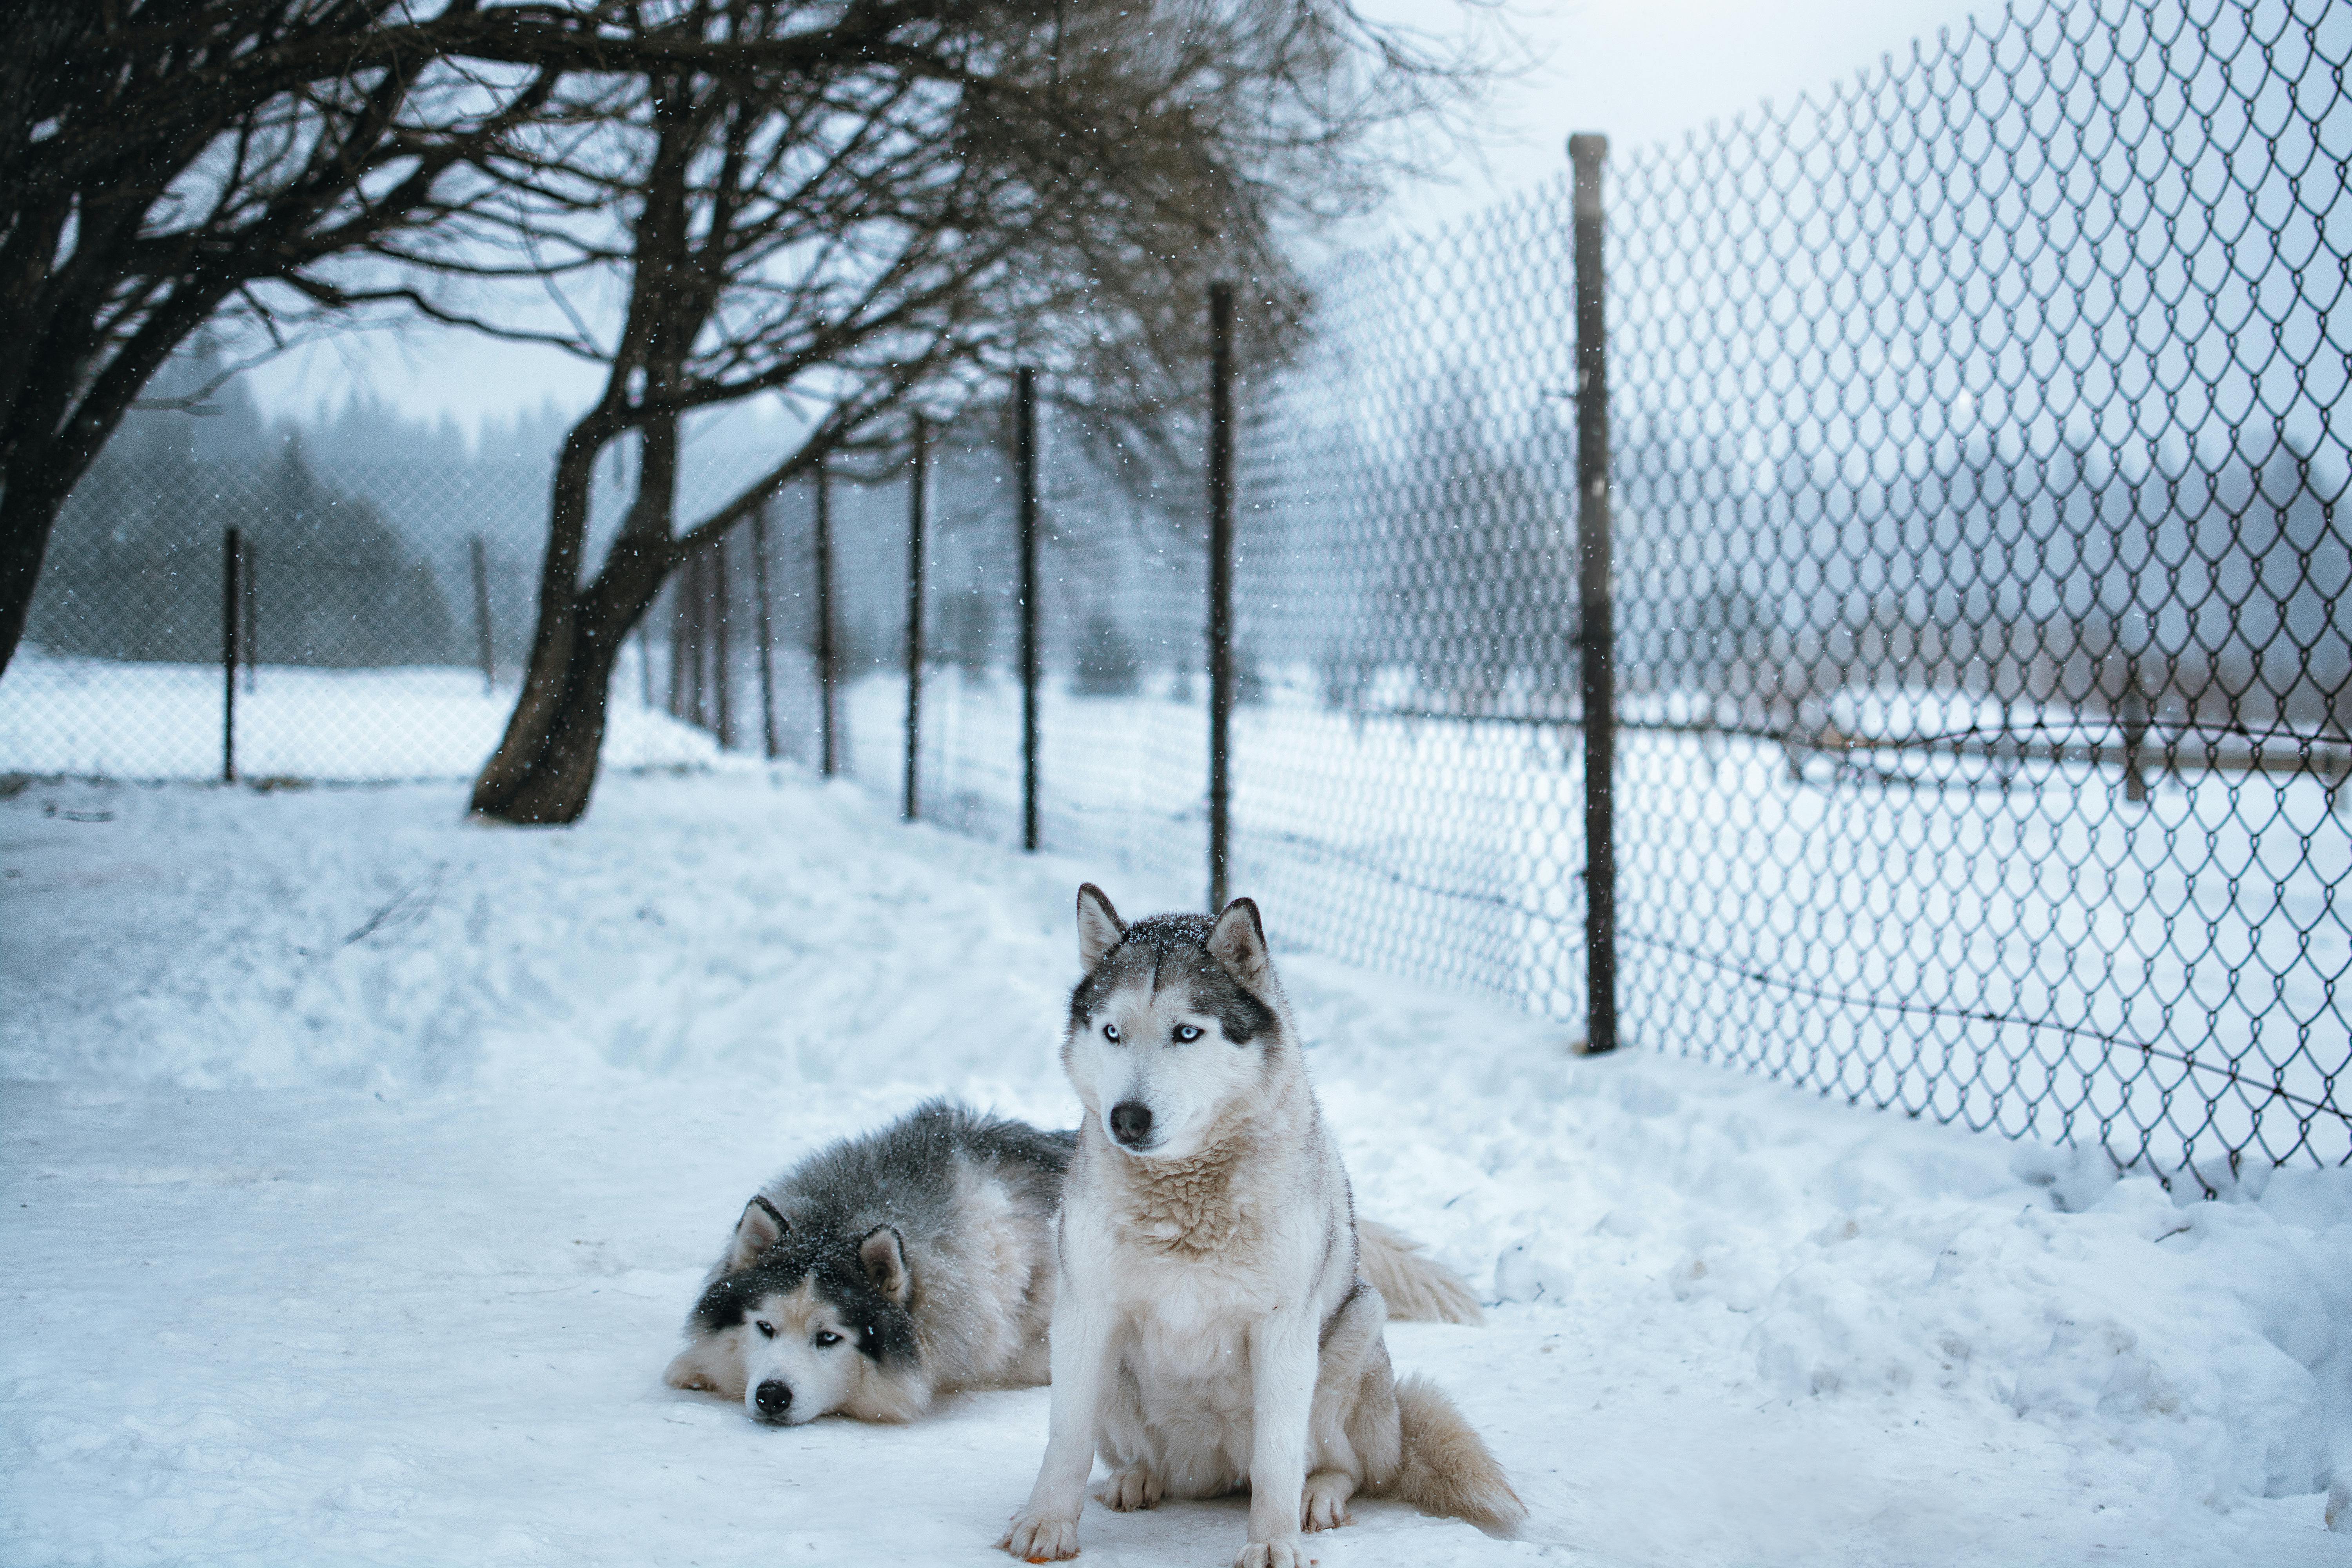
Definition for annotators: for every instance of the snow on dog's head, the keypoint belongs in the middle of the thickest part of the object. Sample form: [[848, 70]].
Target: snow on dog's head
[[799, 1325], [1178, 1022]]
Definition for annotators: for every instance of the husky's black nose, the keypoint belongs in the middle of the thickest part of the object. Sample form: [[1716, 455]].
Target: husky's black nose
[[1131, 1121], [774, 1398]]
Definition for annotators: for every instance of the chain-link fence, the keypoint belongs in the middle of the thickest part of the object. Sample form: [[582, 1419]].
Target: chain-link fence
[[1984, 680], [1981, 444], [1982, 675], [271, 614], [789, 640]]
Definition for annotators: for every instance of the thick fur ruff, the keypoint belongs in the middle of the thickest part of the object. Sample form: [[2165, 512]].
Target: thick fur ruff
[[1417, 1289], [1446, 1466], [1186, 1209]]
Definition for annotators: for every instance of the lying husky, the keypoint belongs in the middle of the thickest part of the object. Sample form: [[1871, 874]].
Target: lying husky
[[1214, 1327], [912, 1261], [884, 1269]]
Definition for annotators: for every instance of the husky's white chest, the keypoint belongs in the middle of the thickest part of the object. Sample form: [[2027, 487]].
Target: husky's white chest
[[1185, 1355], [1195, 1302], [1187, 1375], [1192, 1360]]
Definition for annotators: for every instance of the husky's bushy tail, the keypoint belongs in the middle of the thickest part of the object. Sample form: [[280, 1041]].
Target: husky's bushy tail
[[1415, 1288], [1445, 1468]]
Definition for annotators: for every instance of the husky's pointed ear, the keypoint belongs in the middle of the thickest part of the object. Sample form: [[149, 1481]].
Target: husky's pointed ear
[[761, 1227], [884, 1258], [1238, 942], [1099, 927]]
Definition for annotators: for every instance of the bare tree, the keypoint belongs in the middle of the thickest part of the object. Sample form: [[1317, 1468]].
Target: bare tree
[[903, 212], [162, 161]]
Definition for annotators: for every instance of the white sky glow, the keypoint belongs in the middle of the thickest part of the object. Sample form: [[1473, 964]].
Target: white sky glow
[[1637, 69]]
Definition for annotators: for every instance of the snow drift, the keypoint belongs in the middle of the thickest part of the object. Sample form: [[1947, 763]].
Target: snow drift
[[363, 1162]]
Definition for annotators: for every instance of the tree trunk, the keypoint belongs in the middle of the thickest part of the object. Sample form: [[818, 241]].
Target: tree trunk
[[49, 445], [28, 513], [546, 766], [545, 769], [52, 429]]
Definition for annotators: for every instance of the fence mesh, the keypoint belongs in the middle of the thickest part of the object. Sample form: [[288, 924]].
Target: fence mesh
[[1983, 686], [1408, 779], [1980, 446], [1984, 681]]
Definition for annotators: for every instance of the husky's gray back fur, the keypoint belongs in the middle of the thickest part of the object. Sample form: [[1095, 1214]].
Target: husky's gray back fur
[[911, 1174], [885, 1269]]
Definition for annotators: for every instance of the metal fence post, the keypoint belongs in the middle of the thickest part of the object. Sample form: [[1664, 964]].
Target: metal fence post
[[698, 612], [1221, 579], [482, 614], [828, 754], [702, 640], [232, 558], [767, 630], [2133, 716], [686, 678], [1024, 462], [1596, 622], [721, 603], [249, 590], [677, 613], [918, 459]]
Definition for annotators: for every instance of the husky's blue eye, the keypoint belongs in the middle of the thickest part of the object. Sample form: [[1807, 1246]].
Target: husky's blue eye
[[827, 1338], [767, 1330], [1110, 1033], [1186, 1034]]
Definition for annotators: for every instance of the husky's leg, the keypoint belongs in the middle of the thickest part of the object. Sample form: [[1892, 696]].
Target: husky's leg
[[1084, 1351], [1353, 1362], [1129, 1449], [1325, 1505], [1283, 1364], [1133, 1486]]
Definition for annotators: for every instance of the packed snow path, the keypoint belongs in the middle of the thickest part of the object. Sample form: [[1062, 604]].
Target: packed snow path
[[360, 1164]]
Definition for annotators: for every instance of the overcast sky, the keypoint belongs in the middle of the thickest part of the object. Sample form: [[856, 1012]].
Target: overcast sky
[[1637, 69], [1641, 71]]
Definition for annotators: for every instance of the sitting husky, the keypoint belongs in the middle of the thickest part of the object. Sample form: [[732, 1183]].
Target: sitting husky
[[917, 1259], [1213, 1326]]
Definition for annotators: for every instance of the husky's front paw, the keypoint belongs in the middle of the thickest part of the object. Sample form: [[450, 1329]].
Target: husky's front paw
[[1041, 1538], [1272, 1555], [1133, 1487]]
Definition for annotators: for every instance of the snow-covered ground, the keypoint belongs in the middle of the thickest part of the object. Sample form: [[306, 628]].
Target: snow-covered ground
[[2005, 942], [106, 718], [2207, 924], [361, 1163]]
